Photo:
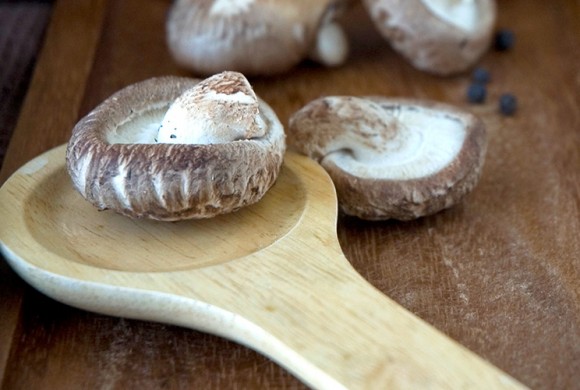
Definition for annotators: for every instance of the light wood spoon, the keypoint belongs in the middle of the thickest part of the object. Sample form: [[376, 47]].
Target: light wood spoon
[[271, 276]]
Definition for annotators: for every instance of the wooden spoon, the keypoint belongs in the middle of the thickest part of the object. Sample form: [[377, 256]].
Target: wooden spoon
[[271, 276]]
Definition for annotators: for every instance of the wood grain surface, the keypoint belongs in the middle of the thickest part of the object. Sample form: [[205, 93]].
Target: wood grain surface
[[498, 273]]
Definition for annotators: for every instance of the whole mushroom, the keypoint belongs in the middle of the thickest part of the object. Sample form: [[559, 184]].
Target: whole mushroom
[[438, 36], [173, 148], [255, 37], [392, 158]]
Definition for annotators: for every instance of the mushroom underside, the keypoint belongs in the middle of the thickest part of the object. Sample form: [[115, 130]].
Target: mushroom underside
[[442, 37], [115, 162], [390, 158], [256, 37]]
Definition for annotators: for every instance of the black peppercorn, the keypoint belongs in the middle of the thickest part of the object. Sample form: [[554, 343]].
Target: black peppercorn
[[480, 75], [508, 104], [476, 93], [504, 39]]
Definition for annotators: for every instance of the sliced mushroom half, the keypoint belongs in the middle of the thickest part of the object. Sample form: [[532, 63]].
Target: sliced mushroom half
[[174, 148], [255, 37], [438, 36], [392, 158]]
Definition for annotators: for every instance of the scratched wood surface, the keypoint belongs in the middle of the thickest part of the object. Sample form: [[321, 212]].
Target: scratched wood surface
[[499, 273]]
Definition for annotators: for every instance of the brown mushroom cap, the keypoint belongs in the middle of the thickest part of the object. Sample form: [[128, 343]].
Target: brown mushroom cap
[[115, 163], [254, 37], [437, 36], [392, 158]]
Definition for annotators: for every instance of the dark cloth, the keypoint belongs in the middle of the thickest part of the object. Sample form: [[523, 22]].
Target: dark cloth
[[22, 27]]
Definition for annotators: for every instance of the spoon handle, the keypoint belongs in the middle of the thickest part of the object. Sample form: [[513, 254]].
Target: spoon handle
[[331, 328], [311, 312]]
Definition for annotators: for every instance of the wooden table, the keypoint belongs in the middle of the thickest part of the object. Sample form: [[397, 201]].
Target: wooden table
[[499, 273]]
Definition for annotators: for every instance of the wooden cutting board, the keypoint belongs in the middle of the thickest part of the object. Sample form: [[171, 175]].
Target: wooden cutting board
[[498, 273]]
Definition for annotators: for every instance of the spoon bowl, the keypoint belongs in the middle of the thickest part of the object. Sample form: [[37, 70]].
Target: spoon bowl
[[72, 228], [271, 276]]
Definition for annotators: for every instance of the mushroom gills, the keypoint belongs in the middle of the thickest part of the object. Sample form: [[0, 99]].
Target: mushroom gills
[[460, 13], [392, 158], [424, 143], [139, 128]]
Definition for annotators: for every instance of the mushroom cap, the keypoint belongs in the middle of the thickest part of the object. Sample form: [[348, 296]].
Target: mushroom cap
[[392, 158], [438, 36], [114, 162], [254, 37]]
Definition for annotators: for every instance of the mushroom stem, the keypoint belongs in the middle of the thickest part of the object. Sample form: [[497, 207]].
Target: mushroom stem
[[220, 109], [331, 45]]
